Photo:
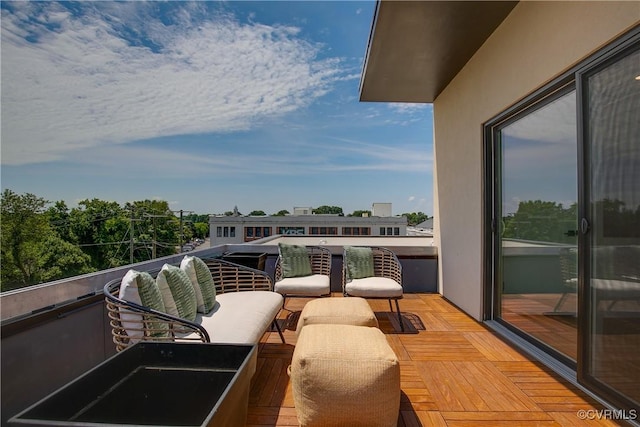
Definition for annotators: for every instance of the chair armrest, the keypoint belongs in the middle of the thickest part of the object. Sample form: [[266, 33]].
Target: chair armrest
[[231, 277], [149, 323]]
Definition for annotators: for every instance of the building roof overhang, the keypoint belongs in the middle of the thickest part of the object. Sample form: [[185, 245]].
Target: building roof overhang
[[417, 47]]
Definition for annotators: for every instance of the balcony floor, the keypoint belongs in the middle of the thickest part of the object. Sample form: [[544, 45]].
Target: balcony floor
[[454, 372]]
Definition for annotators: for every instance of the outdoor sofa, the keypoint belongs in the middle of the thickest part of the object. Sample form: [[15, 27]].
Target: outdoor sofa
[[243, 308]]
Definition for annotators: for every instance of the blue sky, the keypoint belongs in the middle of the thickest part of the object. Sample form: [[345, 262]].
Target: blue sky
[[208, 105]]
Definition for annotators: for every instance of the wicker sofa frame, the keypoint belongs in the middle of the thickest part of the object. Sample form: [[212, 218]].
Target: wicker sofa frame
[[227, 277], [385, 264]]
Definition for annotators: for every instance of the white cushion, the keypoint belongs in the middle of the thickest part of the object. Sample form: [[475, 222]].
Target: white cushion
[[241, 317], [129, 292], [140, 288], [374, 287], [314, 285]]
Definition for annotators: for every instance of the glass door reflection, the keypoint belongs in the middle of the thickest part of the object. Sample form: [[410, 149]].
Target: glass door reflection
[[538, 233], [612, 138]]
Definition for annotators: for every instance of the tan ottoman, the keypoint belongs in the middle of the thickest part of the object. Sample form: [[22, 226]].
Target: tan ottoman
[[343, 311], [344, 375]]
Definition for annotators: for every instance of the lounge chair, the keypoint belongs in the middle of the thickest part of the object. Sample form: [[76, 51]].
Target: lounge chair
[[303, 271], [372, 272]]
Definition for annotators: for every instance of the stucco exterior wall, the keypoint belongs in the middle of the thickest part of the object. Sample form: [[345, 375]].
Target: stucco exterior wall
[[536, 43]]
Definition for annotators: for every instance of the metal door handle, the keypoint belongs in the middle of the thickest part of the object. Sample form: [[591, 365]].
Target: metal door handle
[[584, 226]]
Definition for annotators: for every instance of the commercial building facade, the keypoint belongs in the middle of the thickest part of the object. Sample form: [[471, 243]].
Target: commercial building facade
[[242, 229]]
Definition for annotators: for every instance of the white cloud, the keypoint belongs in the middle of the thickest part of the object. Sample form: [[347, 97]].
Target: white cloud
[[135, 161], [411, 198], [77, 83], [401, 158]]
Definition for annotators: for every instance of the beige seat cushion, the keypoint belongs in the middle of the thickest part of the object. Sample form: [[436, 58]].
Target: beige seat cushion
[[374, 287], [344, 311], [344, 375], [241, 317], [315, 285]]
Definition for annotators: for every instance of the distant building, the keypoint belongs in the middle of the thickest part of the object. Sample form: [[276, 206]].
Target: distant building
[[303, 211], [427, 225], [241, 229], [381, 209], [425, 228]]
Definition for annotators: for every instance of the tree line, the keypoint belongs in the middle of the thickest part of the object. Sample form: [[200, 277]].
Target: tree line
[[42, 242], [413, 218], [547, 221]]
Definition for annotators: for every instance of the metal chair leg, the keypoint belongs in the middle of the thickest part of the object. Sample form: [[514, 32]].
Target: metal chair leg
[[399, 315], [560, 301], [275, 322]]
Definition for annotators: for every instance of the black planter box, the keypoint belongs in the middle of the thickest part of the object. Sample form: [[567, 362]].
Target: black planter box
[[159, 384], [248, 259]]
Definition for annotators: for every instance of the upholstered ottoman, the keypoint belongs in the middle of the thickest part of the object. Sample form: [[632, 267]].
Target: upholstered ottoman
[[343, 311], [345, 375]]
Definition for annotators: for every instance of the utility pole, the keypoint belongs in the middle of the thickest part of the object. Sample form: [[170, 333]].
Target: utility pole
[[131, 234], [131, 240], [155, 240], [181, 235], [153, 247]]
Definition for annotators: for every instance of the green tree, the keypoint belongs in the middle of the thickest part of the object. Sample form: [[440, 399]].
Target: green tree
[[198, 225], [22, 226], [335, 210], [31, 250], [415, 218], [542, 221], [156, 230], [59, 219], [201, 230], [61, 259], [257, 213], [102, 231], [283, 212], [360, 213]]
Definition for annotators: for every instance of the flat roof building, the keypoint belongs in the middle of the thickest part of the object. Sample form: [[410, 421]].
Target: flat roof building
[[241, 229]]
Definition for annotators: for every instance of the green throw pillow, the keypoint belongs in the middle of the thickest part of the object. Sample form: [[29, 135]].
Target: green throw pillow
[[181, 290], [294, 260], [359, 262], [207, 286], [150, 297], [202, 282], [140, 288]]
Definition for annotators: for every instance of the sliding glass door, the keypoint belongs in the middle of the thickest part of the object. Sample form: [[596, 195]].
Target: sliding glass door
[[563, 220], [537, 207], [611, 94]]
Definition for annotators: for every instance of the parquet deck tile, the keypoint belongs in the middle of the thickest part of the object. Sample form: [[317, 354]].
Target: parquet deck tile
[[453, 372], [493, 348]]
